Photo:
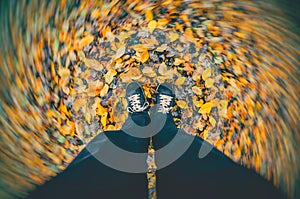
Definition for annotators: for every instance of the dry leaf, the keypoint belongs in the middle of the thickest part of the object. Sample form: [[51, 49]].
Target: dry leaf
[[149, 15], [205, 108], [182, 104], [104, 90], [197, 90], [86, 41], [206, 74], [162, 69], [148, 71], [109, 76], [173, 37], [63, 72], [143, 47], [212, 121], [161, 48], [144, 56], [198, 103], [94, 64], [104, 119], [209, 83], [135, 73], [178, 61], [152, 25], [180, 81], [120, 52]]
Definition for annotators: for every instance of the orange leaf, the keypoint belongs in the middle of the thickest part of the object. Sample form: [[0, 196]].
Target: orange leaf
[[182, 104], [144, 56], [86, 41]]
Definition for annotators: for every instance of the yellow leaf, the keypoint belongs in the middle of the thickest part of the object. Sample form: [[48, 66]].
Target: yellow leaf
[[206, 74], [179, 81], [104, 119], [120, 52], [198, 103], [109, 76], [205, 108], [96, 13], [197, 90], [110, 128], [173, 37], [152, 25], [88, 117], [178, 61], [144, 56], [63, 72], [142, 47], [212, 121], [104, 90], [204, 135], [100, 109], [182, 104], [149, 15], [86, 41], [209, 83]]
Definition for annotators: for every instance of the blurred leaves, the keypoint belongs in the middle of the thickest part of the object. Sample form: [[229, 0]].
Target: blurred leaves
[[65, 74]]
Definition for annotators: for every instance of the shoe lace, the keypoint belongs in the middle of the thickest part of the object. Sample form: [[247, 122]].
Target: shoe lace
[[165, 102], [135, 104]]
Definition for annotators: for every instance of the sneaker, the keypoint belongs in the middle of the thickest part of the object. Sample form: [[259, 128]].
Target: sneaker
[[136, 98], [165, 98]]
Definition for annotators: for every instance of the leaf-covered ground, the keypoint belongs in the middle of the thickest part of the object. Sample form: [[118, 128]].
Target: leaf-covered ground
[[65, 67]]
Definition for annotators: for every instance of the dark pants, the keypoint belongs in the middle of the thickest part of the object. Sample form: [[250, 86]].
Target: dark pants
[[186, 176]]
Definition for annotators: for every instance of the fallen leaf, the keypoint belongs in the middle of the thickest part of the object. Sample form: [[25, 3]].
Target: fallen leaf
[[144, 56], [198, 103], [94, 64], [209, 83], [152, 25], [173, 37], [205, 108], [178, 61], [109, 76], [120, 52], [104, 90], [182, 104], [148, 71], [104, 119], [63, 72], [135, 73], [149, 14], [180, 81], [206, 74], [86, 41], [162, 69], [212, 121], [197, 90], [161, 48]]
